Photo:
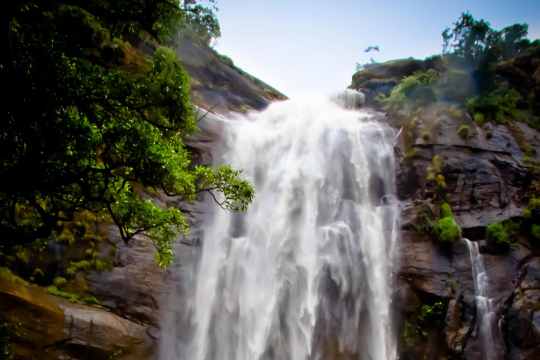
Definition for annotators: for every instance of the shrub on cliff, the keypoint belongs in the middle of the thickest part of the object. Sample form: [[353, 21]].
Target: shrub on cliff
[[446, 228], [502, 234], [435, 176], [412, 91], [464, 131], [499, 105], [90, 118], [497, 234]]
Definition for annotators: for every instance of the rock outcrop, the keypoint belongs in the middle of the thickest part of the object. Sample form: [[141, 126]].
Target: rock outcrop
[[48, 327], [220, 86]]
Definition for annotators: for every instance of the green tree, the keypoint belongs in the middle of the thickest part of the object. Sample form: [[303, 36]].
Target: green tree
[[90, 120], [469, 38], [201, 20], [476, 42], [480, 46]]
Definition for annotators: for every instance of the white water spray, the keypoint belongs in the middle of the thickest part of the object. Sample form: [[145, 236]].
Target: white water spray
[[485, 314], [306, 273]]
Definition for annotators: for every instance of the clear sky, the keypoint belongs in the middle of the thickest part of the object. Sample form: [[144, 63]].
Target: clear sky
[[312, 46]]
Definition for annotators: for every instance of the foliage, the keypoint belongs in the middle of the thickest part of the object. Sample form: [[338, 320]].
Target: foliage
[[464, 131], [417, 324], [88, 117], [413, 90], [435, 175], [476, 42], [479, 119], [59, 281], [446, 228], [72, 297], [201, 20], [481, 47], [499, 105], [502, 234], [432, 314], [435, 167], [497, 234], [446, 210]]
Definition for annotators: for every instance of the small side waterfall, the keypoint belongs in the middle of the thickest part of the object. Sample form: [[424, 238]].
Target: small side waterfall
[[485, 314], [306, 273]]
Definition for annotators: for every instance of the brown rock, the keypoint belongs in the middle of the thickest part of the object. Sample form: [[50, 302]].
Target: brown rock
[[48, 327]]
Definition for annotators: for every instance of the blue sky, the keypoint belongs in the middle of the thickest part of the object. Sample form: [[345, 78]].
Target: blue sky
[[311, 46]]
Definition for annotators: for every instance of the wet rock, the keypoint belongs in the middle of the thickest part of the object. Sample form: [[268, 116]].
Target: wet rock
[[424, 266]]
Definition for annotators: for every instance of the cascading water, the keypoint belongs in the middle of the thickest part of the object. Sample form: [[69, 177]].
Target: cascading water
[[485, 314], [306, 273]]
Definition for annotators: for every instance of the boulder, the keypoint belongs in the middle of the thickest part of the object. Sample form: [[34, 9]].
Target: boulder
[[48, 327]]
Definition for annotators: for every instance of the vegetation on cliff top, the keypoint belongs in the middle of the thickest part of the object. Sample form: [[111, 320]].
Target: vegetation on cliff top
[[89, 118], [475, 72]]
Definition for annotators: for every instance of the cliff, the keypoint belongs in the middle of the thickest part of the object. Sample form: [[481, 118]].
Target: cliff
[[487, 171], [220, 86]]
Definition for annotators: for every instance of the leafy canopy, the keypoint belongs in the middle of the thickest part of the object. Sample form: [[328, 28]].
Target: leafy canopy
[[476, 42], [91, 121]]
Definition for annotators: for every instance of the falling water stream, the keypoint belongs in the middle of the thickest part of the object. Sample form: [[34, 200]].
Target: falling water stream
[[485, 314], [306, 272]]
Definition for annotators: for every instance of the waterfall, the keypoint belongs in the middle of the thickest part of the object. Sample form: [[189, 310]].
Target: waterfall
[[306, 272], [485, 314]]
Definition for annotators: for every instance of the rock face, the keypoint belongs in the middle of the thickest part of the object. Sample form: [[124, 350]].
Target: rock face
[[49, 327], [220, 86], [132, 287], [486, 181], [377, 79]]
